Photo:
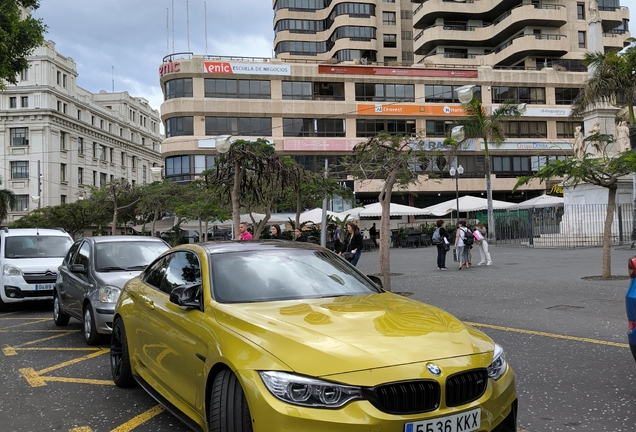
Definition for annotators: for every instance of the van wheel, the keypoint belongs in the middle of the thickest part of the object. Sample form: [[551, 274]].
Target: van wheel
[[228, 406], [59, 317], [119, 357], [90, 332]]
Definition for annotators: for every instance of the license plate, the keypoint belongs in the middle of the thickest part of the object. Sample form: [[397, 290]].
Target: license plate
[[44, 287], [464, 422]]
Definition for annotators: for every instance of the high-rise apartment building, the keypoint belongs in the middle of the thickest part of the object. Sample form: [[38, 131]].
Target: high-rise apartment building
[[344, 30], [522, 33], [57, 139]]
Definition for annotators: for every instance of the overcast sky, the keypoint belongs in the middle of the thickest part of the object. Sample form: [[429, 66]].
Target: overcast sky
[[134, 36]]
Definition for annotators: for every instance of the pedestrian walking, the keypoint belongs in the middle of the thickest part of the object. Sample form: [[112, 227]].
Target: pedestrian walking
[[337, 240], [483, 245], [244, 234], [462, 250], [373, 232], [440, 239], [354, 245]]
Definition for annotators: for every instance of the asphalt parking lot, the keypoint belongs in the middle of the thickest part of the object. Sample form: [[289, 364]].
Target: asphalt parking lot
[[564, 336]]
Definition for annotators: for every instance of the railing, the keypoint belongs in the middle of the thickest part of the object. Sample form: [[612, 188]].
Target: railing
[[569, 226], [538, 36]]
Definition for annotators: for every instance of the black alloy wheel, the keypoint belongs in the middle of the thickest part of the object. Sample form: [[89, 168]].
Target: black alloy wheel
[[119, 359]]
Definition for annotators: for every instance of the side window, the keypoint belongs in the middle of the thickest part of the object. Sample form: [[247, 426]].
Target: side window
[[154, 274], [183, 269], [71, 253], [83, 256]]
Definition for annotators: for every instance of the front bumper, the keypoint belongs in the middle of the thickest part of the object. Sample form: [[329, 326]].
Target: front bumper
[[104, 317], [16, 292], [498, 407]]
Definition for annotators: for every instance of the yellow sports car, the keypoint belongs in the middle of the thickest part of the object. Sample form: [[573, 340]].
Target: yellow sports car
[[278, 336]]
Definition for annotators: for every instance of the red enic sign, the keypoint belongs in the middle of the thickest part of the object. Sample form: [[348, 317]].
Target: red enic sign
[[218, 67], [393, 71]]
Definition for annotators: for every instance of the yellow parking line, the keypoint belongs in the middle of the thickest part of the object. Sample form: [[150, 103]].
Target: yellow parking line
[[551, 335], [138, 420], [46, 338], [40, 331], [85, 429], [41, 320], [33, 378], [78, 380], [77, 360]]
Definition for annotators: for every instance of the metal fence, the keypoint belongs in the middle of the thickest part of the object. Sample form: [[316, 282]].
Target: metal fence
[[568, 226]]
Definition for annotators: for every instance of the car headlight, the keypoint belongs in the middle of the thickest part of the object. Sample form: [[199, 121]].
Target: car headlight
[[11, 270], [311, 392], [109, 294], [499, 364]]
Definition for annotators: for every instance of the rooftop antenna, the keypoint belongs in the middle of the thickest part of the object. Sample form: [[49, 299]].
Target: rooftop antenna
[[205, 21], [188, 24], [173, 26], [112, 72], [167, 31]]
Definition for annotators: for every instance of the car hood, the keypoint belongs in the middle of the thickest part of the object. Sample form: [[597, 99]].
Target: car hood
[[117, 279], [320, 337], [36, 264]]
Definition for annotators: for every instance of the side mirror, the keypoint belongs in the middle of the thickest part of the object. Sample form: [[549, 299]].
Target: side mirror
[[188, 296], [376, 280], [78, 268]]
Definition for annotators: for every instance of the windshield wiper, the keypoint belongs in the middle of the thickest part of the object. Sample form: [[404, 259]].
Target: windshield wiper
[[137, 267], [105, 269]]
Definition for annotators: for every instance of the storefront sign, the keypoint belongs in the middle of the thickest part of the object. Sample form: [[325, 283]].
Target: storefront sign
[[411, 110], [227, 68], [321, 144], [544, 112], [393, 71], [529, 145], [169, 67], [438, 145]]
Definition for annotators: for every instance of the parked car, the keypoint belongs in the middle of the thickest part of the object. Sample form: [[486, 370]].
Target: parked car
[[92, 275], [272, 336], [29, 258], [630, 304]]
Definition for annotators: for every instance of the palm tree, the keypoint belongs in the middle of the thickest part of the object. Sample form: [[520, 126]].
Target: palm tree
[[613, 81], [7, 202], [488, 127]]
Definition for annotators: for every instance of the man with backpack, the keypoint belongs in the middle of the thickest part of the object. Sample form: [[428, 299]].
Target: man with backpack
[[440, 239]]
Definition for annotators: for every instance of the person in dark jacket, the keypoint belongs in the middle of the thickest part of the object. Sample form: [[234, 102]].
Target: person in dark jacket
[[274, 232], [441, 246], [298, 236], [354, 245]]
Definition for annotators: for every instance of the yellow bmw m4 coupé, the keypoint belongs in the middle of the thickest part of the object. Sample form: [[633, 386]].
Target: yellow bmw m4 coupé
[[277, 336]]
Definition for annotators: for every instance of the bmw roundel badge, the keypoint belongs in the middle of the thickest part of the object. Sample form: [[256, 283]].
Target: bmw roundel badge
[[433, 368]]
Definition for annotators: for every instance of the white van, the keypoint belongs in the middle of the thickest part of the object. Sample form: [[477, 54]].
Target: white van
[[29, 261]]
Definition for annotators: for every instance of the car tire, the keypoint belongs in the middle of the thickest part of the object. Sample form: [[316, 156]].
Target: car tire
[[228, 406], [119, 358], [633, 350], [90, 331], [3, 306], [59, 317]]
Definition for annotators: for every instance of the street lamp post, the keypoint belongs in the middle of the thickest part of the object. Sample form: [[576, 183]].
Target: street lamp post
[[456, 173]]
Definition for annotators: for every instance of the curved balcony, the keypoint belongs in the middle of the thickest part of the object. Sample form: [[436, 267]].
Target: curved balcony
[[487, 10], [503, 27], [519, 47], [613, 18], [339, 21], [614, 40]]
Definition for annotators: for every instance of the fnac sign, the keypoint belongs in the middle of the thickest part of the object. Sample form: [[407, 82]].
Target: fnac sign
[[218, 67], [169, 68]]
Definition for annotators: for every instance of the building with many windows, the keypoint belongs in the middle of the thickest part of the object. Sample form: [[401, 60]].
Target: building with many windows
[[521, 33], [317, 111], [342, 30], [71, 138]]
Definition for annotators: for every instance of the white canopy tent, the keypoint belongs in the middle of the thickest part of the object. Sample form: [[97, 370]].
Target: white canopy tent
[[375, 210], [167, 224], [467, 203], [314, 216], [541, 201]]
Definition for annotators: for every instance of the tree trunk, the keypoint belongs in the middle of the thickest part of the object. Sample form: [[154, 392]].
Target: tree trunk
[[113, 226], [491, 216], [201, 239], [235, 195], [607, 232], [154, 221], [385, 229]]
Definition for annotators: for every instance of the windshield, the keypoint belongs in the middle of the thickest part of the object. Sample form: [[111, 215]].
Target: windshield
[[284, 274], [37, 246], [128, 255]]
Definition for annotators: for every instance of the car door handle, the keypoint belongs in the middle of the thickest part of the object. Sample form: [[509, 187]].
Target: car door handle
[[149, 303]]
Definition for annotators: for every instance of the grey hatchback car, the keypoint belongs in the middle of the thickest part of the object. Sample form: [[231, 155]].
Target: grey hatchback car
[[92, 275]]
